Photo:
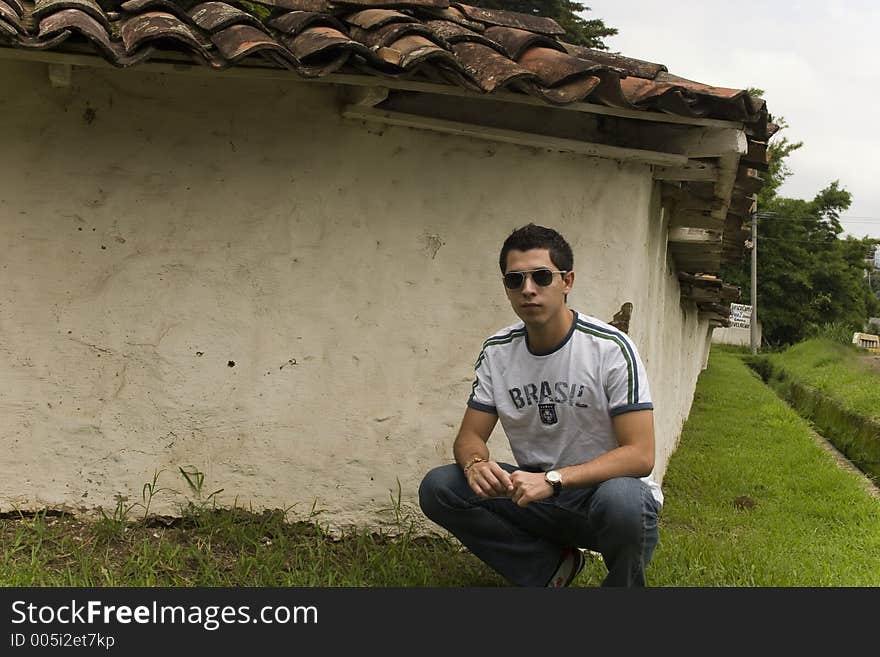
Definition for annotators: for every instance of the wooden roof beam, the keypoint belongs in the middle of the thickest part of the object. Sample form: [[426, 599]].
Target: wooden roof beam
[[488, 133], [692, 171]]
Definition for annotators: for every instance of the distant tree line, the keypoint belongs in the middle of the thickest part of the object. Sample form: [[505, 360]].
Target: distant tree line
[[808, 277], [874, 281]]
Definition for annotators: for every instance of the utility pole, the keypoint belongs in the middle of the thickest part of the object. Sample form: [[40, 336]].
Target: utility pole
[[753, 323]]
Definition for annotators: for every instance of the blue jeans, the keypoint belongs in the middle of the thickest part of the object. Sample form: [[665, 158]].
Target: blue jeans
[[617, 518]]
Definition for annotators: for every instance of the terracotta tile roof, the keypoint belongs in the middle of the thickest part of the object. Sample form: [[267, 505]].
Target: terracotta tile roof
[[441, 42], [437, 40]]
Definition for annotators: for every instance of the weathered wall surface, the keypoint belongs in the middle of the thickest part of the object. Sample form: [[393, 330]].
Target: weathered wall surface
[[224, 274], [741, 337]]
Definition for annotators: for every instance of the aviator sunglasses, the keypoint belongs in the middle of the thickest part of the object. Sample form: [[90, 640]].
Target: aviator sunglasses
[[513, 280]]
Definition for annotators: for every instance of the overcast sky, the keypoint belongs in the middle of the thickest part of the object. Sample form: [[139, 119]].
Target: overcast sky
[[817, 61]]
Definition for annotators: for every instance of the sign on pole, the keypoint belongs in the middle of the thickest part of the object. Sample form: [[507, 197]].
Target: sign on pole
[[740, 315]]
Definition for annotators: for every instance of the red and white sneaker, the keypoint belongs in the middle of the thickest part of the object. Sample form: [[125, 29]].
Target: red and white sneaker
[[570, 565]]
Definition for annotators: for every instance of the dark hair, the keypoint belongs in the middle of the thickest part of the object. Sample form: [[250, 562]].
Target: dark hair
[[538, 237]]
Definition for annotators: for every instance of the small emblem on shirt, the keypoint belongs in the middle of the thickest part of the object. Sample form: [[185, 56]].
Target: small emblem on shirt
[[548, 413]]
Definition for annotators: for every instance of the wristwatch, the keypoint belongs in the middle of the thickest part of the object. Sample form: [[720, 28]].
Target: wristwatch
[[553, 478]]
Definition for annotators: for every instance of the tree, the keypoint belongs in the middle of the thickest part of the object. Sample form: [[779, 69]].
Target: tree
[[874, 274], [874, 281], [578, 30], [807, 276]]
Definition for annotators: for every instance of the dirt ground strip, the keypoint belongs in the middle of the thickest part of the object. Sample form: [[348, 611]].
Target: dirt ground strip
[[873, 361], [845, 463]]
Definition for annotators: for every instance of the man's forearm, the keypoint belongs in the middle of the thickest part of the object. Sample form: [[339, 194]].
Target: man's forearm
[[470, 442], [623, 461], [466, 447], [634, 457]]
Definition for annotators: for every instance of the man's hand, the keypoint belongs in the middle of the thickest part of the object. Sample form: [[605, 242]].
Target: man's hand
[[488, 479], [529, 487]]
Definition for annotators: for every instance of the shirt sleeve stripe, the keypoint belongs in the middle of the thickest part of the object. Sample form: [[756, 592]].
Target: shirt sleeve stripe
[[628, 408], [632, 393], [626, 342], [473, 403], [499, 339]]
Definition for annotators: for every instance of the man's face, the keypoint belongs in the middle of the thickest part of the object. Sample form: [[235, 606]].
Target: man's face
[[536, 305]]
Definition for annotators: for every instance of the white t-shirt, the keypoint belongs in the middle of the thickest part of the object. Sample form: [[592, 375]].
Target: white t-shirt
[[556, 408]]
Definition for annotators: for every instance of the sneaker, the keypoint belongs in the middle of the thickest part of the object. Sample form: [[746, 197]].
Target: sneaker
[[570, 565]]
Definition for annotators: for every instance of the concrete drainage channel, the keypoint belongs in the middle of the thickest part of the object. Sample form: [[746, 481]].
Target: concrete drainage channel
[[853, 440]]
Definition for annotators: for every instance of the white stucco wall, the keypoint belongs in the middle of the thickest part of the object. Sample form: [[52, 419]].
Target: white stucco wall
[[157, 228], [741, 337]]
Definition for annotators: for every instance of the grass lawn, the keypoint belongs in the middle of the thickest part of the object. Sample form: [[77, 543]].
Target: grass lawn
[[751, 500], [840, 371], [224, 548], [812, 524]]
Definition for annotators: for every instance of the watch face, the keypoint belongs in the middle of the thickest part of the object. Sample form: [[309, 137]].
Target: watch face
[[553, 477]]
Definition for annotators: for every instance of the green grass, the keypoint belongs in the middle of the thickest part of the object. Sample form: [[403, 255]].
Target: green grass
[[839, 371], [812, 523], [229, 547]]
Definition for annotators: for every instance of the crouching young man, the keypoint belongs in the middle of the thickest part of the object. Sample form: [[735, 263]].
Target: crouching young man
[[573, 399]]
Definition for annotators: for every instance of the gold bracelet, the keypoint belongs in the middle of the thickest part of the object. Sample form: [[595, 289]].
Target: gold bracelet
[[474, 461]]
